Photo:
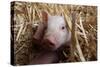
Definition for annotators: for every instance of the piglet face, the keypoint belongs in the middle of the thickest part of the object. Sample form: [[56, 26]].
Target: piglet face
[[56, 33]]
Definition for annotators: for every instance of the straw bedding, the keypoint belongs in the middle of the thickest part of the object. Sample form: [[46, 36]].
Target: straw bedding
[[27, 16]]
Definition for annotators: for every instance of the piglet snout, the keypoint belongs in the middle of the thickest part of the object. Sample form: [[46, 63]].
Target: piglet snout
[[50, 42]]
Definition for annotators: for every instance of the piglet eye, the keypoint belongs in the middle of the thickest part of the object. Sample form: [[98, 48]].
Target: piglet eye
[[63, 28]]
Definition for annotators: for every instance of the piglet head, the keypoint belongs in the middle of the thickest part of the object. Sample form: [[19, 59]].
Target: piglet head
[[56, 33]]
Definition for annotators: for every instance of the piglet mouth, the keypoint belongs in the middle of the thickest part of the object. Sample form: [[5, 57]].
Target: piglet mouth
[[48, 44]]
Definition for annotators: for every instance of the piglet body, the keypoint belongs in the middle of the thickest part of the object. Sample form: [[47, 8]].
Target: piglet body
[[45, 57], [51, 34]]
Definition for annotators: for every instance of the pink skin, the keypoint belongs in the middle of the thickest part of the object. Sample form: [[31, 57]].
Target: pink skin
[[56, 34], [50, 42]]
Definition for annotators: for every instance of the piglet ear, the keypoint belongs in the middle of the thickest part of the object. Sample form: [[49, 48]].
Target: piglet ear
[[41, 28], [44, 17], [62, 15]]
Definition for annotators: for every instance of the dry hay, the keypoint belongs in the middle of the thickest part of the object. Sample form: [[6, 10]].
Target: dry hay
[[27, 15]]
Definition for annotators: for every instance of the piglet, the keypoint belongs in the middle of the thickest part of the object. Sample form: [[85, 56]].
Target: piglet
[[50, 36]]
